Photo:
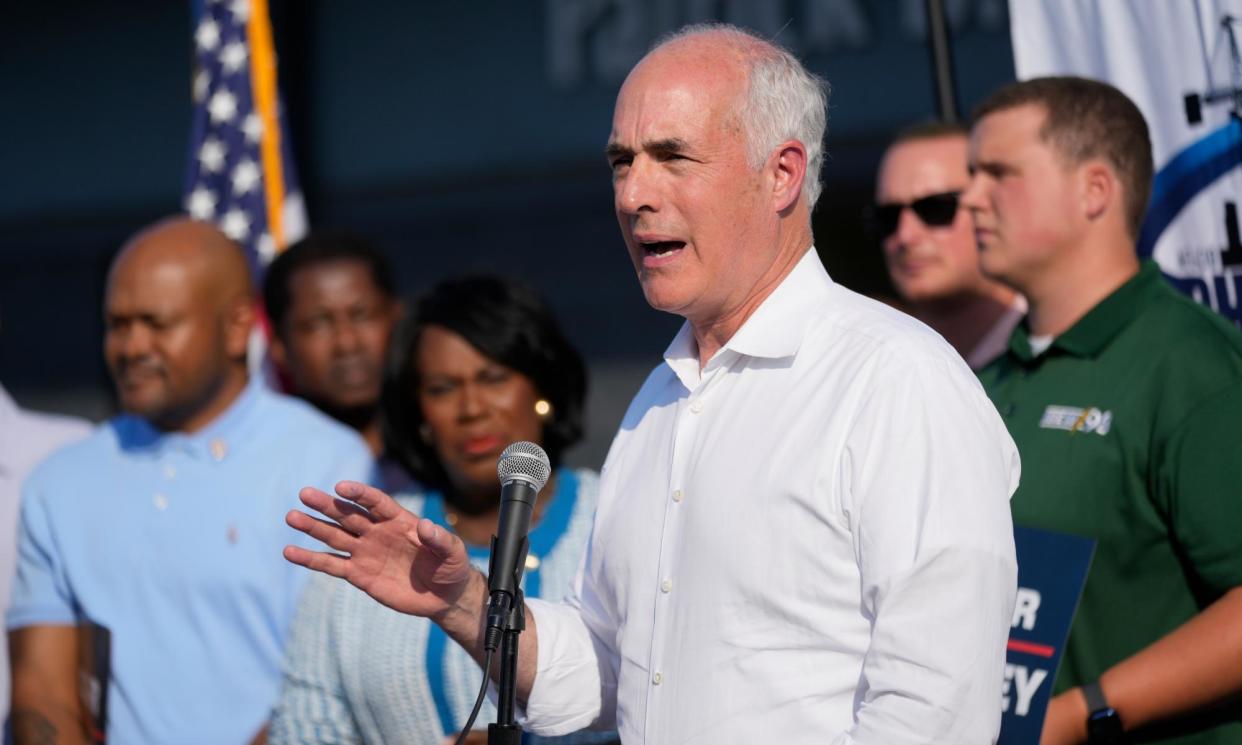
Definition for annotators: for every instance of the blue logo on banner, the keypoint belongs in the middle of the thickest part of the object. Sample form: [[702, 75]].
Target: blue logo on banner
[[1181, 180], [1188, 173], [1052, 569]]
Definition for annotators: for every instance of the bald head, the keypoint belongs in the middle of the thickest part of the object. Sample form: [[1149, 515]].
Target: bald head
[[209, 260], [179, 313], [715, 43]]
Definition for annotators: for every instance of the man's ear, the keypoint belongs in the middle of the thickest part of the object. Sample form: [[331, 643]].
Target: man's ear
[[1098, 189], [238, 321], [788, 168]]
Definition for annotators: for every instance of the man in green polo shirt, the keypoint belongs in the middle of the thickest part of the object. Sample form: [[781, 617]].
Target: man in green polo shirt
[[1125, 400]]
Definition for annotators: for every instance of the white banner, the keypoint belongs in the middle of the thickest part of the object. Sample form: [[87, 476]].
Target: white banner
[[1180, 61]]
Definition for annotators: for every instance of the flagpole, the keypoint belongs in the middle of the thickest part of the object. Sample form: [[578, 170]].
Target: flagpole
[[942, 61]]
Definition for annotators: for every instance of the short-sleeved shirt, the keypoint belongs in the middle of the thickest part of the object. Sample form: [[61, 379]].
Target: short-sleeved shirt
[[1128, 426], [26, 438], [173, 542]]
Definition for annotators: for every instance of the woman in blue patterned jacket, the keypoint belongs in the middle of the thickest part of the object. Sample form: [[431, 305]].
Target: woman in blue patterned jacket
[[480, 363]]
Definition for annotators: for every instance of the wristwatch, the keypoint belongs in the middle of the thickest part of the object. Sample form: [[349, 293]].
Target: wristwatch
[[1103, 721]]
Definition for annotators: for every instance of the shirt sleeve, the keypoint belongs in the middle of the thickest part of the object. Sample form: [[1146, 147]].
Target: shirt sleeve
[[1199, 480], [576, 673], [931, 469], [312, 707], [42, 593]]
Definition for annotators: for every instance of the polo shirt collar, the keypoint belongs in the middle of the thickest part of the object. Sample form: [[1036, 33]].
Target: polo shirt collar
[[774, 331], [214, 441], [1093, 332]]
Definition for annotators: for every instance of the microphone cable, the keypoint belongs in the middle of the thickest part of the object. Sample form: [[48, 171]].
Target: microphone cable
[[478, 702]]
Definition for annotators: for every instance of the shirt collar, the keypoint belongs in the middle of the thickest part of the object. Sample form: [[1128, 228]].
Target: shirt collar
[[774, 331], [213, 441], [1093, 332]]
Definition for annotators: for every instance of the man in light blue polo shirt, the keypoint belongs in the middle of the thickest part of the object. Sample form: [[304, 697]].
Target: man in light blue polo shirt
[[166, 525]]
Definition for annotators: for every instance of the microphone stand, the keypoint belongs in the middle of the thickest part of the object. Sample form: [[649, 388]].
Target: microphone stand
[[506, 730], [510, 618], [523, 471]]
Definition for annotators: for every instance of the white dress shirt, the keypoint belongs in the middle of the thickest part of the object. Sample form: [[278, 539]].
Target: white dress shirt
[[808, 540]]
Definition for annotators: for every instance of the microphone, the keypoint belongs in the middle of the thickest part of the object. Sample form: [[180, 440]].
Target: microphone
[[523, 470]]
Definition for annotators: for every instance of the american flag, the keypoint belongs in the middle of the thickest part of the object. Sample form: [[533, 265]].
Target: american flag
[[240, 175]]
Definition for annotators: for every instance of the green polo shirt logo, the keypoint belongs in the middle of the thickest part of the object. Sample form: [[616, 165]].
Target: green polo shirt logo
[[1073, 419]]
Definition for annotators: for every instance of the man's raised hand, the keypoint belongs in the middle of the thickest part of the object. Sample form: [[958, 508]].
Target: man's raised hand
[[410, 565]]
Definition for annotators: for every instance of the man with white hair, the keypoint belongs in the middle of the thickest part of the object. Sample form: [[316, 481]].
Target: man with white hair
[[803, 529]]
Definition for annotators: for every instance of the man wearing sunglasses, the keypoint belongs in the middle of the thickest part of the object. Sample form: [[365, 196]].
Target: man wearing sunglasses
[[929, 243]]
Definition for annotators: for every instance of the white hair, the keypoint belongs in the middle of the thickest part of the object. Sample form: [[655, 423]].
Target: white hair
[[783, 100]]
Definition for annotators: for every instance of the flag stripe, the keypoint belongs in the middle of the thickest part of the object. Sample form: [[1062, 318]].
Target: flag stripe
[[263, 81], [241, 175]]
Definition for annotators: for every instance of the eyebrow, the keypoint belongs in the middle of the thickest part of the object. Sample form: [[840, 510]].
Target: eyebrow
[[666, 146], [993, 167]]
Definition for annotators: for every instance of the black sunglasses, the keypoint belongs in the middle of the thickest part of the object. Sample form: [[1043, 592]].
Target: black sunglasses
[[935, 210]]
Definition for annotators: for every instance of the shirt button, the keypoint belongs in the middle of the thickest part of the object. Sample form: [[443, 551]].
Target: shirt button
[[218, 449], [170, 472], [696, 406], [657, 679], [677, 495], [666, 586], [161, 501]]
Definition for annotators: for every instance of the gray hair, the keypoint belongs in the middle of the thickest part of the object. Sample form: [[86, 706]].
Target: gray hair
[[783, 99]]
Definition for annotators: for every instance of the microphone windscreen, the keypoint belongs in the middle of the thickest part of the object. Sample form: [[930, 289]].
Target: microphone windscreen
[[524, 461]]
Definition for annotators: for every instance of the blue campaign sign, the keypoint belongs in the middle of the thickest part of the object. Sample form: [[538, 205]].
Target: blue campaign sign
[[1052, 569]]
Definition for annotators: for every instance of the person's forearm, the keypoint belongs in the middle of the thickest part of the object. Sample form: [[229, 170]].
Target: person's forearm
[[466, 623], [45, 725], [46, 710], [1197, 664]]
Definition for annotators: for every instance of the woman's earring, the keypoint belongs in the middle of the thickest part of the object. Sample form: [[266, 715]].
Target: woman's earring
[[543, 408]]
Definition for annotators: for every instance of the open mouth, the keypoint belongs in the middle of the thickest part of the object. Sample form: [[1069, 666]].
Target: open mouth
[[660, 249]]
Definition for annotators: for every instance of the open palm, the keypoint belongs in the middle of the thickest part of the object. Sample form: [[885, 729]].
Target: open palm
[[410, 565]]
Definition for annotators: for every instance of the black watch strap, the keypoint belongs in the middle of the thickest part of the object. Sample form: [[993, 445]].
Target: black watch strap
[[1103, 723], [1095, 697]]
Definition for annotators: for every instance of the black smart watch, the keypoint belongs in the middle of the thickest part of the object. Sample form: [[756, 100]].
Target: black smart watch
[[1103, 721]]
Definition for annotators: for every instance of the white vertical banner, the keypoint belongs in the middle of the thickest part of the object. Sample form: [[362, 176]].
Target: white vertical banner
[[1180, 61]]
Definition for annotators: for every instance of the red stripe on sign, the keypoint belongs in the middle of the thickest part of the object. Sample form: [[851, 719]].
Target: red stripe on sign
[[1042, 650]]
